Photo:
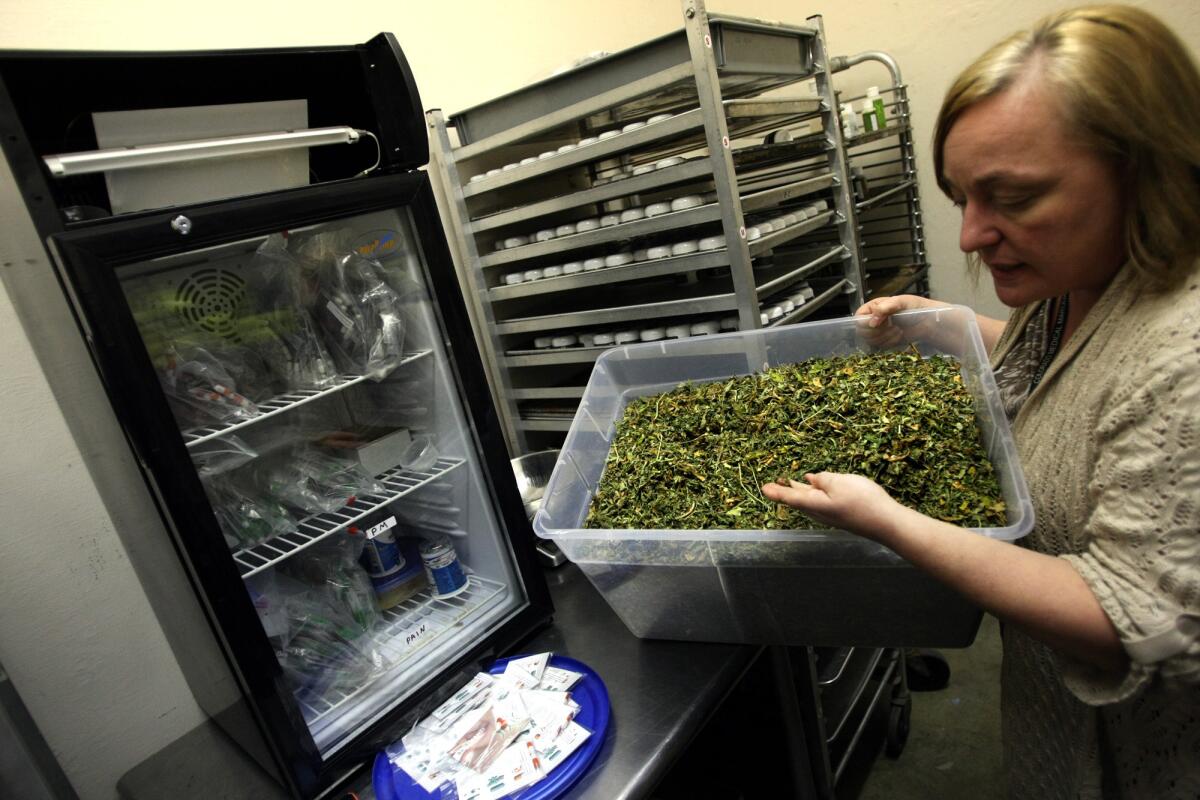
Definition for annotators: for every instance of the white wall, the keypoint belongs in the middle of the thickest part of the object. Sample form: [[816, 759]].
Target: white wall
[[75, 631]]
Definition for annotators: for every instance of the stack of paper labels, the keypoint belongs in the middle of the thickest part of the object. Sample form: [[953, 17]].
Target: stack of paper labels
[[498, 734]]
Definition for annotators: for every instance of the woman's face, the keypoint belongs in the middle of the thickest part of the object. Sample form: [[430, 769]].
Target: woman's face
[[1043, 213]]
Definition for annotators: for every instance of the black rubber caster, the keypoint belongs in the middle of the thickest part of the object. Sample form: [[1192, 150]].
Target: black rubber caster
[[899, 718], [926, 670]]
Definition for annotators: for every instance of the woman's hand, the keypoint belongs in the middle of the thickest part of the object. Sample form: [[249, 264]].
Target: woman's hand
[[848, 502], [879, 330]]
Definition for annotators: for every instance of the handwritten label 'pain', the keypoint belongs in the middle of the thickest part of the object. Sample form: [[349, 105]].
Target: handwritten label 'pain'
[[416, 634]]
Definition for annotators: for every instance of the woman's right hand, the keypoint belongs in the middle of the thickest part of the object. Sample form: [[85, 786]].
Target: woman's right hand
[[879, 330], [850, 502]]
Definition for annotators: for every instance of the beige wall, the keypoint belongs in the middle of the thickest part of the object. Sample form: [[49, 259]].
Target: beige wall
[[74, 628]]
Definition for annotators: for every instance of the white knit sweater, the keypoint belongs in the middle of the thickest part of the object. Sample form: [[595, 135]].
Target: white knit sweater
[[1110, 445]]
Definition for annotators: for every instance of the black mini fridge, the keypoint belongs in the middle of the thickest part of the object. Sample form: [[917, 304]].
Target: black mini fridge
[[296, 375]]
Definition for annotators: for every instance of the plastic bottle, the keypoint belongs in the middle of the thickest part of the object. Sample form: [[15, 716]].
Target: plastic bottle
[[849, 121], [380, 553], [442, 567], [868, 116], [394, 576], [877, 104]]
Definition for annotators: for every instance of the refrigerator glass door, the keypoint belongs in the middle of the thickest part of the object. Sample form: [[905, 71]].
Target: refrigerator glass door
[[308, 373]]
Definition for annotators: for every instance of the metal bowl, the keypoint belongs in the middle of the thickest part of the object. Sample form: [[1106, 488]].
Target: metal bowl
[[533, 473]]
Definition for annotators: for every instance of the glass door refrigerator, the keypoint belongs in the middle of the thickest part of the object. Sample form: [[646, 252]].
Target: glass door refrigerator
[[297, 377]]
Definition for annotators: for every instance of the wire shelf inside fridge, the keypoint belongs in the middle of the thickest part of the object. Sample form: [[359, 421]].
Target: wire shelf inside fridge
[[282, 403], [406, 632], [312, 529]]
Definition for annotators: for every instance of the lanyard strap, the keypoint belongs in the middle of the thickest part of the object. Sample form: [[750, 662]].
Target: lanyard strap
[[1056, 333]]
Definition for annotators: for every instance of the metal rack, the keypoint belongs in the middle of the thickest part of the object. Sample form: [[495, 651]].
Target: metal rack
[[841, 692], [694, 183], [281, 404], [397, 483], [887, 197], [559, 199], [407, 632]]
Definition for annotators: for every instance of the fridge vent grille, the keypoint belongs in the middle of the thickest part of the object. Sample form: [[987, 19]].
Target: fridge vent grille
[[211, 300]]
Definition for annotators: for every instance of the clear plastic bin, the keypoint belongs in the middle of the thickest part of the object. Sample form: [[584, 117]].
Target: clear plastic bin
[[822, 587]]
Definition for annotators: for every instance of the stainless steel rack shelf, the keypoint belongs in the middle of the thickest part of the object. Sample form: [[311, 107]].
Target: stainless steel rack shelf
[[876, 199], [834, 665], [792, 276], [549, 358], [549, 393], [811, 307], [787, 192], [604, 148], [653, 268], [585, 355], [690, 170], [905, 278], [778, 238], [314, 528], [668, 265], [610, 235], [638, 312], [546, 425], [281, 404], [893, 129], [746, 118], [852, 692], [768, 282], [761, 194]]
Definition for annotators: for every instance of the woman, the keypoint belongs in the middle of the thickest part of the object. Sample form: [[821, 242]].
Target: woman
[[1073, 151]]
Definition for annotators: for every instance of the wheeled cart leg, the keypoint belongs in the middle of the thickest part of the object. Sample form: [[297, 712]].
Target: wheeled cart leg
[[784, 672], [900, 713], [842, 695]]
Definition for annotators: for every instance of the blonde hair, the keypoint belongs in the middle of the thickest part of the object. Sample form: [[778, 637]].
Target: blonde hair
[[1129, 90]]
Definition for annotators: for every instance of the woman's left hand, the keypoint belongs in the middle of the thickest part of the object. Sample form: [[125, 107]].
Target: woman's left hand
[[848, 502]]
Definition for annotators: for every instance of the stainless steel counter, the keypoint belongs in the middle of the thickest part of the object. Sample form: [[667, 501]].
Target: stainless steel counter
[[661, 693]]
